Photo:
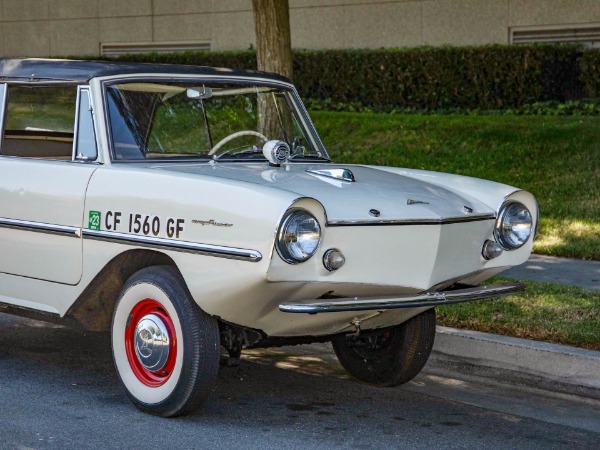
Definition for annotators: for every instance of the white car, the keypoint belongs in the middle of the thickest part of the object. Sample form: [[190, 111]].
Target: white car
[[188, 208]]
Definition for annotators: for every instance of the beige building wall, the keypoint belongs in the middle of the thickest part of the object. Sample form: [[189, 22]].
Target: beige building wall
[[82, 27]]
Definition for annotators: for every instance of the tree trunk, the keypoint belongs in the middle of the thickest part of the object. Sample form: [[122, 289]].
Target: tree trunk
[[273, 54], [273, 36]]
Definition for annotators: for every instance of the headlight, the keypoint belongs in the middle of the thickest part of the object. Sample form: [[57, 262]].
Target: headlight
[[514, 225], [298, 237]]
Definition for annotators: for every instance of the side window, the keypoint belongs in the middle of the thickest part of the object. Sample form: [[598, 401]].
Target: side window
[[39, 122], [85, 147]]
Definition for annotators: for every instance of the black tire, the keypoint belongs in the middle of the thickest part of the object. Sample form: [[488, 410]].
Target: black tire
[[388, 357], [190, 357]]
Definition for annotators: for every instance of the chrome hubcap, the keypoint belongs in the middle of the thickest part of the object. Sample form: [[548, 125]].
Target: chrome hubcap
[[152, 342]]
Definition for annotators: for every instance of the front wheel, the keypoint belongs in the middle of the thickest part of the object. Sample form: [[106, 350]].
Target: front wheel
[[388, 357], [166, 350]]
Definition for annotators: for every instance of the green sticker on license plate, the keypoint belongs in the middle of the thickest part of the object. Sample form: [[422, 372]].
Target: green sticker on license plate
[[94, 222]]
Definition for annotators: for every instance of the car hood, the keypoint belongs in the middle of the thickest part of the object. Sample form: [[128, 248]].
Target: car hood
[[375, 196]]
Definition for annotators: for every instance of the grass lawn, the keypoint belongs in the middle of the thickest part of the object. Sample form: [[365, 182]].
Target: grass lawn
[[545, 312], [555, 158]]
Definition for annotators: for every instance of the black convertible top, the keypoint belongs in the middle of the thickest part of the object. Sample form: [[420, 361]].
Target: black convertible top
[[78, 71]]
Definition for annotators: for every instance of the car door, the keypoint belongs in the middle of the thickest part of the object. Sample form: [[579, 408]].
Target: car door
[[47, 157]]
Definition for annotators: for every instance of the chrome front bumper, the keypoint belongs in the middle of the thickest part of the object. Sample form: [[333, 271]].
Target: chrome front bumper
[[405, 301]]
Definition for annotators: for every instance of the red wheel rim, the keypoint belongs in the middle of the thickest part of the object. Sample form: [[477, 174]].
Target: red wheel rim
[[139, 311]]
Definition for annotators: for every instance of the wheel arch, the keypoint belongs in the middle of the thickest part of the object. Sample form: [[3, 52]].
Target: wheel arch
[[94, 307]]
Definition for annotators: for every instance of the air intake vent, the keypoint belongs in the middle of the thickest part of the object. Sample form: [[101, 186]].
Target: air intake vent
[[588, 35], [116, 49]]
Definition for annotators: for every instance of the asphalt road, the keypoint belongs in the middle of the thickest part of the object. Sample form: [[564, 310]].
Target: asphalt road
[[58, 389]]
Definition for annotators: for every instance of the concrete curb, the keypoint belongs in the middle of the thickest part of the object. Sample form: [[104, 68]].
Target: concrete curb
[[518, 361]]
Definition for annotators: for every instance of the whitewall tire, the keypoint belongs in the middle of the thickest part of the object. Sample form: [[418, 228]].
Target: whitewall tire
[[166, 350]]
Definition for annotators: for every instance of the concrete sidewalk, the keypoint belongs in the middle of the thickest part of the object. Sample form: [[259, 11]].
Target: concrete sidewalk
[[550, 269], [559, 368]]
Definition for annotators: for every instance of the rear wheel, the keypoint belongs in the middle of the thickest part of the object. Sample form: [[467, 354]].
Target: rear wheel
[[166, 350], [388, 357]]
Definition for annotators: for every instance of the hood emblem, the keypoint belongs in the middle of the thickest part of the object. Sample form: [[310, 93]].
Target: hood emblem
[[338, 174], [411, 201]]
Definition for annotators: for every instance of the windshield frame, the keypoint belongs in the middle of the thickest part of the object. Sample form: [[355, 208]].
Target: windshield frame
[[304, 120]]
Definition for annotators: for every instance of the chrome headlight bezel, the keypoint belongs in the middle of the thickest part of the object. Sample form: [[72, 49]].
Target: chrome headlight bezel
[[506, 211], [287, 244]]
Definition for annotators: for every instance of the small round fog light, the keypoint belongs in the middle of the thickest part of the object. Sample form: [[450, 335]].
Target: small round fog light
[[333, 259], [491, 250]]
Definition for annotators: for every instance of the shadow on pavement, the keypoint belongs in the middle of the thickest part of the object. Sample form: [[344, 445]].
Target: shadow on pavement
[[59, 388]]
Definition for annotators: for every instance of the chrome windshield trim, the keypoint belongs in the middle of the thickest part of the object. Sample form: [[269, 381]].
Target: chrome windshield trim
[[442, 221], [405, 301], [175, 76], [40, 227], [304, 118], [175, 245]]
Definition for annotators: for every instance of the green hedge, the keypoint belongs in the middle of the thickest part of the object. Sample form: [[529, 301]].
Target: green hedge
[[590, 73], [427, 79], [437, 78], [245, 59]]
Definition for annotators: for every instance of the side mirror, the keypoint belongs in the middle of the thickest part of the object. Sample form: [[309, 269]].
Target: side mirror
[[206, 92]]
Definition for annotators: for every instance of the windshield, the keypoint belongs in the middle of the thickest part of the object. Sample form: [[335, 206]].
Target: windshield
[[175, 121]]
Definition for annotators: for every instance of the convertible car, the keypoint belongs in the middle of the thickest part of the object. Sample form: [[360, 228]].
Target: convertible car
[[188, 209]]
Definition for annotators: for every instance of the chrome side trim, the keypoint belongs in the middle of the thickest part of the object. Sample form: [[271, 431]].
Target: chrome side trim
[[40, 227], [406, 301], [442, 221], [175, 245], [41, 82]]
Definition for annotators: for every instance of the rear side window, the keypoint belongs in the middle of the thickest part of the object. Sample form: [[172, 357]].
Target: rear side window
[[39, 122]]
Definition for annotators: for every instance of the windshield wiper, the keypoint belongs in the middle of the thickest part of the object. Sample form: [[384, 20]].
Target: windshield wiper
[[248, 151], [308, 156]]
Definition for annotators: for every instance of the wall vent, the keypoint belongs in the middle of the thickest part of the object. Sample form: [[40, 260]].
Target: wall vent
[[588, 35], [122, 48]]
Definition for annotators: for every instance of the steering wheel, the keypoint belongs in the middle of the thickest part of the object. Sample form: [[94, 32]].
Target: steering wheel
[[236, 135]]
